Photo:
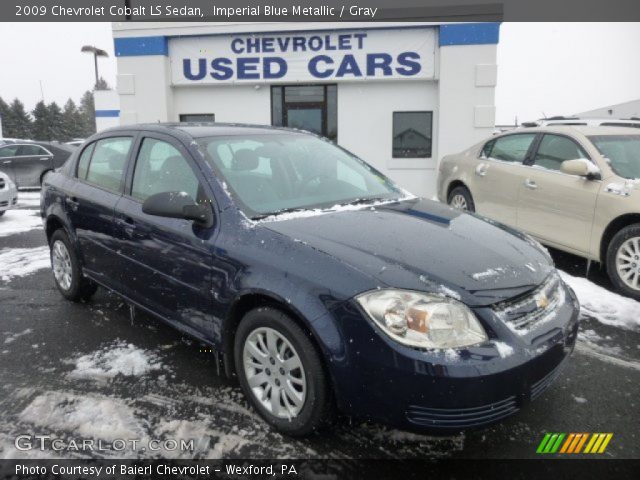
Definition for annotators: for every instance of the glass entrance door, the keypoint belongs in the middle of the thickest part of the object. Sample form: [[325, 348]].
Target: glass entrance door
[[307, 107]]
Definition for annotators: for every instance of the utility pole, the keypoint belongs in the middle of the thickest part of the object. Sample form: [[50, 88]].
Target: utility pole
[[97, 52]]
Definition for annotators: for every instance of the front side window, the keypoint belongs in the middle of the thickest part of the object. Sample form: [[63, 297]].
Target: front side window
[[108, 162], [412, 134], [622, 152], [272, 173], [160, 167], [555, 149], [510, 148]]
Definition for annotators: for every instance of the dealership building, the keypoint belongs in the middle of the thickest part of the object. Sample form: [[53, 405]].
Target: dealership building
[[398, 95]]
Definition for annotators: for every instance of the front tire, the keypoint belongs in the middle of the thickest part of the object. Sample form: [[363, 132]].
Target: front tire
[[623, 260], [66, 269], [461, 199], [281, 372]]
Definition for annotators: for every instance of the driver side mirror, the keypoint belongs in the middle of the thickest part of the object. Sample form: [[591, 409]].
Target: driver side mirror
[[580, 167], [178, 205]]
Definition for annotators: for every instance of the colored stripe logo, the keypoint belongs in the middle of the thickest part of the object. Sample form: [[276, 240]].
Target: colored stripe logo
[[574, 443]]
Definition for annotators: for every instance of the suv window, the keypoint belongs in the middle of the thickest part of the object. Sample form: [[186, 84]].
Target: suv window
[[510, 148], [9, 151], [160, 167], [108, 162], [32, 150], [555, 149]]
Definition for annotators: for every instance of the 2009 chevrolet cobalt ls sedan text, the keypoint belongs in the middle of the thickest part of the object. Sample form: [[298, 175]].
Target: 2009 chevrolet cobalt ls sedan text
[[322, 284]]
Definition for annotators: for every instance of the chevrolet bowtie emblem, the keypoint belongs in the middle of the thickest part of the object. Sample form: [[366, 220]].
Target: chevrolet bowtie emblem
[[542, 301]]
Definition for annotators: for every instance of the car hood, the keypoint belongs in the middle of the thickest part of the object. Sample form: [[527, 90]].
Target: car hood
[[427, 246]]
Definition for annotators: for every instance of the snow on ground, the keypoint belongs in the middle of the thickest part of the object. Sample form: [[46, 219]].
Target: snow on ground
[[29, 199], [607, 307], [17, 262], [118, 358], [88, 415], [11, 337], [19, 221]]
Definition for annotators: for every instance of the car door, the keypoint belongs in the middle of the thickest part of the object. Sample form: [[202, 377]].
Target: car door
[[169, 261], [7, 156], [498, 174], [30, 163], [556, 207], [90, 204]]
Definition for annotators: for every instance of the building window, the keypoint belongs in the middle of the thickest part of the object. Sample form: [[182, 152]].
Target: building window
[[197, 117], [307, 107], [412, 133]]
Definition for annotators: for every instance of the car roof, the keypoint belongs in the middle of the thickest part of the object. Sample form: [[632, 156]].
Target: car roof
[[580, 129], [207, 129]]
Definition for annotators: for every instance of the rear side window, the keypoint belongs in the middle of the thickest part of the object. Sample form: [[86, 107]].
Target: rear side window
[[511, 148], [160, 167], [32, 150], [9, 151], [555, 149], [83, 163], [108, 162]]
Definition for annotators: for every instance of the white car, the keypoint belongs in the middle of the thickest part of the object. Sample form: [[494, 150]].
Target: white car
[[8, 193]]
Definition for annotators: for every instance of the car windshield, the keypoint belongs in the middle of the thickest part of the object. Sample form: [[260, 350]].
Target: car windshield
[[276, 173], [623, 152]]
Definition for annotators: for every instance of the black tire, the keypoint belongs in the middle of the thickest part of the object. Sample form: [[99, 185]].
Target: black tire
[[80, 288], [629, 232], [317, 410], [2, 212], [464, 193]]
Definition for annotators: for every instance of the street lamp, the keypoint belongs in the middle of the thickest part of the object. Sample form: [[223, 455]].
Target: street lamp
[[97, 52]]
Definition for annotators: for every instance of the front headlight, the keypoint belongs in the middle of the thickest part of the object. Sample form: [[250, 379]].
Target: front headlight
[[422, 319]]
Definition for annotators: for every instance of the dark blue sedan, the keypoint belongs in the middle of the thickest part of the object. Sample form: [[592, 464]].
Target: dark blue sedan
[[324, 287]]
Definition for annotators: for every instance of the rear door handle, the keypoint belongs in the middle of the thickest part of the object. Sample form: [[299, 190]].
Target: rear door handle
[[530, 184], [7, 161]]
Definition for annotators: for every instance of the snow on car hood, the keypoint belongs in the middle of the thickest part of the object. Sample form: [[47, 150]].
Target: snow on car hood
[[424, 245]]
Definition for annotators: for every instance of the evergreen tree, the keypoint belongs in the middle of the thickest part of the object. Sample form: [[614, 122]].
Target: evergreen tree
[[54, 121], [88, 113], [19, 121], [102, 84], [72, 126], [40, 121], [5, 114]]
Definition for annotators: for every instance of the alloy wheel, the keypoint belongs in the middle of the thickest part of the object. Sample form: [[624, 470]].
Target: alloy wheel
[[458, 201], [628, 262], [274, 372], [61, 263]]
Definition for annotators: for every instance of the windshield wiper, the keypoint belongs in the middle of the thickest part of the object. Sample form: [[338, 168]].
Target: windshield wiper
[[279, 212]]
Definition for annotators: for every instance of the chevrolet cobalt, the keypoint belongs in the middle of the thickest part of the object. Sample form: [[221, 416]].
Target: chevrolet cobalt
[[324, 287]]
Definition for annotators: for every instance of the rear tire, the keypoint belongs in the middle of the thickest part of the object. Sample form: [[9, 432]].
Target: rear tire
[[461, 199], [66, 269], [273, 353], [623, 261]]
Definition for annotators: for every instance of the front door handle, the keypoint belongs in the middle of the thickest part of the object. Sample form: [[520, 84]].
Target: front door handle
[[7, 161], [481, 170], [530, 184]]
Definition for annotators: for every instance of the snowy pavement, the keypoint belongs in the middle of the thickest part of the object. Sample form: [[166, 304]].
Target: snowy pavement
[[86, 371]]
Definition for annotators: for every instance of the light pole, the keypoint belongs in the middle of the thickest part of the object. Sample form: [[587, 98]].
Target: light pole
[[97, 52]]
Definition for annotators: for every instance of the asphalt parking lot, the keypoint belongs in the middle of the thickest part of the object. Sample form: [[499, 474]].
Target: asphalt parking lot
[[88, 370]]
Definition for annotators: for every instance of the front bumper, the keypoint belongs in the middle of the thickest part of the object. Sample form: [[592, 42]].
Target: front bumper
[[445, 392], [8, 198]]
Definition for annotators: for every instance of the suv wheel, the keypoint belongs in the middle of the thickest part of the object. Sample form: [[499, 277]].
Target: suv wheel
[[623, 260], [281, 372], [460, 198], [66, 270]]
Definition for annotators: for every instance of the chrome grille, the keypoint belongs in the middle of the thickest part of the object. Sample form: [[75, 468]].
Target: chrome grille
[[524, 313]]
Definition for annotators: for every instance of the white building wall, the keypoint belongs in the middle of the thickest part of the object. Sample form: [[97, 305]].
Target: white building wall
[[365, 116], [241, 103], [467, 96], [106, 102]]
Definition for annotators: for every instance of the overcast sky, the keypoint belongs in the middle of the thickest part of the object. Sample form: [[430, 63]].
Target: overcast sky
[[550, 68]]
